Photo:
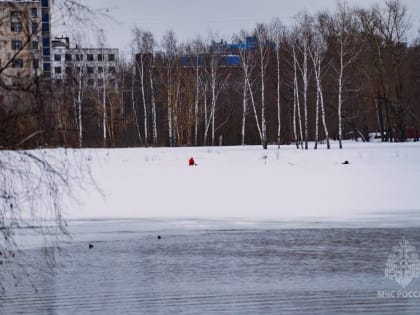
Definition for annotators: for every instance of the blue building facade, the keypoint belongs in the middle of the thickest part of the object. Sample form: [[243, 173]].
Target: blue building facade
[[228, 53], [46, 37]]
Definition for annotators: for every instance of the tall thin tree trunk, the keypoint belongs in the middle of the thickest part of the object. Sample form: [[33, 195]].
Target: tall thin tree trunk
[[133, 106], [305, 88], [297, 99], [170, 127], [154, 118], [251, 93], [340, 100], [197, 94], [317, 117], [263, 122], [104, 114], [244, 110], [206, 123], [79, 103], [294, 114], [213, 106], [146, 134], [278, 98], [122, 98]]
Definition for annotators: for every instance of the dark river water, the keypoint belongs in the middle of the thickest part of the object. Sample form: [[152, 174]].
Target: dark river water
[[215, 267]]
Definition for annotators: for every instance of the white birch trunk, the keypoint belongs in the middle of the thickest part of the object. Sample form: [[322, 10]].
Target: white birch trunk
[[298, 100], [197, 94], [263, 122], [295, 97], [133, 106], [305, 88], [79, 103], [340, 100], [316, 121], [104, 118], [213, 104], [278, 98], [170, 130], [146, 135], [251, 93], [79, 110], [244, 111], [206, 124], [154, 118]]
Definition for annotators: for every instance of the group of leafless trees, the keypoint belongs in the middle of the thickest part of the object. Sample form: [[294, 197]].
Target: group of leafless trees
[[336, 75]]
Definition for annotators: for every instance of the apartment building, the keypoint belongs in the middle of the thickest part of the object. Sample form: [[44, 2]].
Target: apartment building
[[24, 40], [95, 66]]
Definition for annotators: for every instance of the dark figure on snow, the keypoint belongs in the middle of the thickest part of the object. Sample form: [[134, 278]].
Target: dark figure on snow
[[191, 162]]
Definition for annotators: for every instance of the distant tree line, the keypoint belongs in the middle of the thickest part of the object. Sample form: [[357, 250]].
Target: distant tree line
[[339, 75]]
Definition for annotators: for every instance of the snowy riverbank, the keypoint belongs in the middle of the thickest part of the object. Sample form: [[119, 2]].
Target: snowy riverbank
[[233, 182]]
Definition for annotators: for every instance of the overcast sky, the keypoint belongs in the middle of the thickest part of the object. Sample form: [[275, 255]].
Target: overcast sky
[[189, 18]]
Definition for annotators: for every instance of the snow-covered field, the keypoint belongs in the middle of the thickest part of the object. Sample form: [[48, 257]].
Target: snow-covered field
[[238, 182]]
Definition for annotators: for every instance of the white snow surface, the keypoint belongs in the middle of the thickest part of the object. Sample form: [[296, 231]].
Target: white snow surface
[[238, 182]]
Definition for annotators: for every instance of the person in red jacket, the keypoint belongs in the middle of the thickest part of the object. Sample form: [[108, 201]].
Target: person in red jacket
[[191, 162]]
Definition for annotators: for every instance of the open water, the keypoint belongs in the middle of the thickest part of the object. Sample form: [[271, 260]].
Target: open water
[[216, 267]]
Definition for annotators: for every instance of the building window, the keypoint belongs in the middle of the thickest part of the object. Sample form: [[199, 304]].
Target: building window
[[34, 12], [100, 57], [17, 44], [67, 57], [90, 57], [46, 51], [111, 57], [16, 27], [45, 16], [47, 67], [100, 82], [57, 57], [45, 27], [68, 70], [57, 70], [79, 57], [15, 16], [35, 45], [46, 42], [90, 70], [91, 82], [44, 3], [35, 63], [17, 63], [100, 69], [34, 27]]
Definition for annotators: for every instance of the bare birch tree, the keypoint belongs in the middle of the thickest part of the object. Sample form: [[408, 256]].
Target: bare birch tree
[[296, 93], [317, 53], [277, 34], [304, 21], [169, 45], [248, 67], [261, 33], [344, 24]]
